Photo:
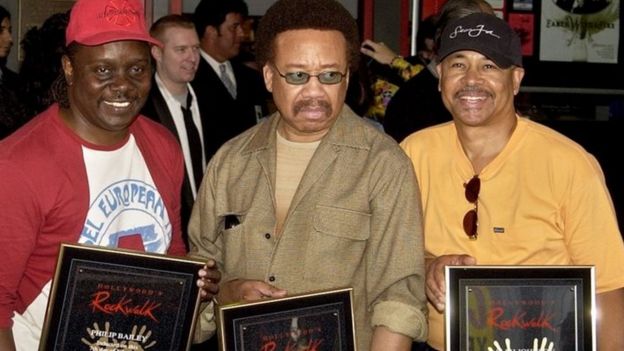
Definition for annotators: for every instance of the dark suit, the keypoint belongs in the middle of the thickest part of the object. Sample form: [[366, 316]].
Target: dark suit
[[156, 108], [223, 117], [416, 105]]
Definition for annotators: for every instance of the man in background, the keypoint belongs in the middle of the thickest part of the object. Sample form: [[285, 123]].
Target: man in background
[[231, 95], [174, 104]]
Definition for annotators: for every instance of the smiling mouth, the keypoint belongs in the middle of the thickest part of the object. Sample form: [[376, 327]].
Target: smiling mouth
[[473, 98], [116, 104]]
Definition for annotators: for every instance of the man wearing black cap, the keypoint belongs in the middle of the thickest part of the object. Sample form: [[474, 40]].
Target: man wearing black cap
[[500, 189]]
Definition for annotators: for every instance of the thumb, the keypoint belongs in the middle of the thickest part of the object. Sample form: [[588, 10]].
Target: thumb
[[277, 292], [466, 260], [271, 291]]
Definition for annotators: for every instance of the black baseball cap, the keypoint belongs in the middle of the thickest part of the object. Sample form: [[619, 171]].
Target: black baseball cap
[[484, 33]]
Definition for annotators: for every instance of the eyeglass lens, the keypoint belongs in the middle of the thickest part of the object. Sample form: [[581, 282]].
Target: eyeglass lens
[[471, 220], [300, 78]]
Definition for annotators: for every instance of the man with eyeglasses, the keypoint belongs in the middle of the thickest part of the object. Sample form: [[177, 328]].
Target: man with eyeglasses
[[315, 198], [500, 189]]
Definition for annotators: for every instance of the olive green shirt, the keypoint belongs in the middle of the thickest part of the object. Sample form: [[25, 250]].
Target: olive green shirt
[[354, 221]]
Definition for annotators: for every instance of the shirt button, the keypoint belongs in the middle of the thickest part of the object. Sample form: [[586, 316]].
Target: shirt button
[[272, 278], [267, 235]]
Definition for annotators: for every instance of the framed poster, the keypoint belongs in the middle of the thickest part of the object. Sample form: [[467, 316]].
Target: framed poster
[[320, 321], [487, 304], [104, 299]]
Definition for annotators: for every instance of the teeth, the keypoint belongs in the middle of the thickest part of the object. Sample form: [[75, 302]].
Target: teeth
[[117, 104], [473, 98]]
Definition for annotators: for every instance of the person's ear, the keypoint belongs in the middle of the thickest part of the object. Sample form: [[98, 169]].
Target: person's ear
[[439, 70], [268, 73], [211, 32], [518, 74], [68, 69], [156, 52]]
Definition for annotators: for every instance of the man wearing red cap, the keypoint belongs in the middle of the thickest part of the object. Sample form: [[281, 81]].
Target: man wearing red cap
[[89, 169]]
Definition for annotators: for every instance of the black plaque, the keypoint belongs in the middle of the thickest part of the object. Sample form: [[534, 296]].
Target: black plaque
[[485, 304], [104, 299], [320, 321]]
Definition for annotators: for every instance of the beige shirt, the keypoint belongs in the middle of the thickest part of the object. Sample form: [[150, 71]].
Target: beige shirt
[[355, 220], [292, 161]]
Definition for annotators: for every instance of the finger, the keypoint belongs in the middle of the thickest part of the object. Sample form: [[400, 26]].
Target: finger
[[433, 298], [508, 344], [535, 347], [208, 285], [551, 346], [497, 345], [435, 280], [268, 290], [210, 273], [210, 264], [543, 345]]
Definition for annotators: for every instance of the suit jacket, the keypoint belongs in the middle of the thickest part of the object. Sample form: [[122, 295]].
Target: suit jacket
[[353, 221], [224, 117], [156, 109], [416, 105]]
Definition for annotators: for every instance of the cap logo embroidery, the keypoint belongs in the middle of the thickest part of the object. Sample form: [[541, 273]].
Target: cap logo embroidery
[[472, 32], [122, 15]]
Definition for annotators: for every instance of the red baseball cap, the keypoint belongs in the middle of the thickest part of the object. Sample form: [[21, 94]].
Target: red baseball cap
[[97, 22]]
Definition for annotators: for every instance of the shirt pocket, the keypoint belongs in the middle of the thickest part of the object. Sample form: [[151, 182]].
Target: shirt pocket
[[232, 233], [338, 244]]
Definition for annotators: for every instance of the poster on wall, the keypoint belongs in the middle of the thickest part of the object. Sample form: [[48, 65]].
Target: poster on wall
[[522, 23], [580, 31]]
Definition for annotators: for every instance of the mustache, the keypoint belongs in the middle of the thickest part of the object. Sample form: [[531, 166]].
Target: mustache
[[313, 103], [471, 90]]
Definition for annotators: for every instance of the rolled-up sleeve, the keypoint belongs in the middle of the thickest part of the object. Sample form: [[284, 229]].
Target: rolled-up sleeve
[[396, 282]]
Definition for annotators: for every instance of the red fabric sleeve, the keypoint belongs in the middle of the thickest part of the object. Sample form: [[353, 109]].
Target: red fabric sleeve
[[20, 219]]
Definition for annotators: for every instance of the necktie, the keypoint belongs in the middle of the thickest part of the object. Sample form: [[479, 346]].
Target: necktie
[[194, 142], [225, 78]]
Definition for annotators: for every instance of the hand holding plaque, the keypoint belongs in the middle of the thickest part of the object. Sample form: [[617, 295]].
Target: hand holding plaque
[[208, 282], [435, 278], [244, 290]]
